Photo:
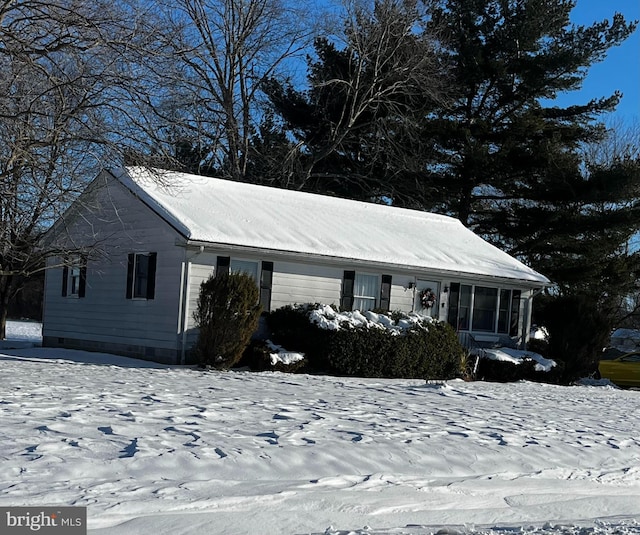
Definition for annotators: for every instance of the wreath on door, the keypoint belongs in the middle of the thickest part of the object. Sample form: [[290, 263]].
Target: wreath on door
[[427, 298]]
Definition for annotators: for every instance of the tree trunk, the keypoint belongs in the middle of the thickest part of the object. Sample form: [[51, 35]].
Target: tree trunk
[[6, 283], [3, 323]]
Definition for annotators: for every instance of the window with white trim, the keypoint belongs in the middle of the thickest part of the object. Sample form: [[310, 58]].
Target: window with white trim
[[366, 289], [74, 280], [484, 309], [141, 275], [74, 276], [244, 266]]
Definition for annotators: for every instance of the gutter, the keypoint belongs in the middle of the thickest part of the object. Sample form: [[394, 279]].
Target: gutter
[[350, 262], [183, 316]]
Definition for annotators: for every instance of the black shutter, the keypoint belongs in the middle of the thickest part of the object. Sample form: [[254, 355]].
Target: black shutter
[[151, 275], [348, 281], [65, 277], [222, 265], [514, 322], [266, 282], [130, 265], [454, 298], [385, 292], [82, 285]]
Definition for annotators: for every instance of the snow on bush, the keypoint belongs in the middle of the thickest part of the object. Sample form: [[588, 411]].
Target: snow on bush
[[280, 355], [326, 317], [517, 356]]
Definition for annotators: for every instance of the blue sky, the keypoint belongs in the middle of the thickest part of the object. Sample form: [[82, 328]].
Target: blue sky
[[621, 68]]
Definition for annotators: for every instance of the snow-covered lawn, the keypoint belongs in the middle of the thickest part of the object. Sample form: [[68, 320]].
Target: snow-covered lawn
[[154, 450]]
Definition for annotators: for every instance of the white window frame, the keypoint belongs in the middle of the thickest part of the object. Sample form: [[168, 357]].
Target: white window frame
[[73, 276], [371, 300], [475, 310], [136, 291], [241, 265], [496, 312]]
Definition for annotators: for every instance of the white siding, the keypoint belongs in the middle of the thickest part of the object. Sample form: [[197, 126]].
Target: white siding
[[401, 294], [300, 282], [113, 223], [199, 273], [305, 283]]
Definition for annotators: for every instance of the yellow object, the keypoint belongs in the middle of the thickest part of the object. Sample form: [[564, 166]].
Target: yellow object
[[623, 371]]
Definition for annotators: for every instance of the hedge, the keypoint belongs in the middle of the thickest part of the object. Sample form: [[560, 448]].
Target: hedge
[[408, 347]]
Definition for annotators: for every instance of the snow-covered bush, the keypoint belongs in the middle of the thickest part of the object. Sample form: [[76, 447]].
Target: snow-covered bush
[[527, 369], [369, 344], [264, 355], [227, 315]]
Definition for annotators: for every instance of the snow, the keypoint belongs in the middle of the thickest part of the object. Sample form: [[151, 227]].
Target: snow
[[22, 334], [210, 210], [156, 450], [516, 356], [280, 355], [326, 317], [539, 333]]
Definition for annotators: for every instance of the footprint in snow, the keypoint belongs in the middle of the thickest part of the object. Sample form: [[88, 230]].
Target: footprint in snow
[[130, 450], [272, 438]]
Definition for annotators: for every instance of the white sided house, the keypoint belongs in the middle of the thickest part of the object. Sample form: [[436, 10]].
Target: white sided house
[[148, 238]]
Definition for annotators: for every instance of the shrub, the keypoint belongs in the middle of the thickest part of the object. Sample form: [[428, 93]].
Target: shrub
[[420, 348], [290, 327], [258, 358], [227, 315], [579, 328], [506, 372], [539, 346]]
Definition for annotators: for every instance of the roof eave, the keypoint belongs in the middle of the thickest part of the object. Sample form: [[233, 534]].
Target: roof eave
[[415, 269]]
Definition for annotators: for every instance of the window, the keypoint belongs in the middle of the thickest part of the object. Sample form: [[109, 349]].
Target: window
[[266, 284], [503, 311], [141, 275], [74, 280], [361, 291], [245, 266], [74, 277], [484, 309], [226, 265], [485, 303], [464, 311], [365, 291]]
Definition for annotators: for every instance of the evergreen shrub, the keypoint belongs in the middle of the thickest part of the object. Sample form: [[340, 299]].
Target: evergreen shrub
[[258, 358], [579, 328], [507, 372], [227, 315], [426, 350], [290, 327]]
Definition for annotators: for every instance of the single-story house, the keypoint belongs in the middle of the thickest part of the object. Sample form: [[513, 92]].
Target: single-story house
[[145, 240]]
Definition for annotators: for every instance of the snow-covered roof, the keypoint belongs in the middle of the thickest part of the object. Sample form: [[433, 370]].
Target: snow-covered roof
[[216, 211]]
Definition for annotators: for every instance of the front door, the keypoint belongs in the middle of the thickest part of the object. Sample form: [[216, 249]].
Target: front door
[[427, 298]]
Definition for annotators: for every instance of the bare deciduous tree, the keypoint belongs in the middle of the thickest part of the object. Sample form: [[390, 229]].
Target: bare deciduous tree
[[621, 141], [61, 85], [371, 86], [219, 54]]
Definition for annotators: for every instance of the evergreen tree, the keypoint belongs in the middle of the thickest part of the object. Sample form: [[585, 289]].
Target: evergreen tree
[[273, 160], [509, 163], [499, 143]]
